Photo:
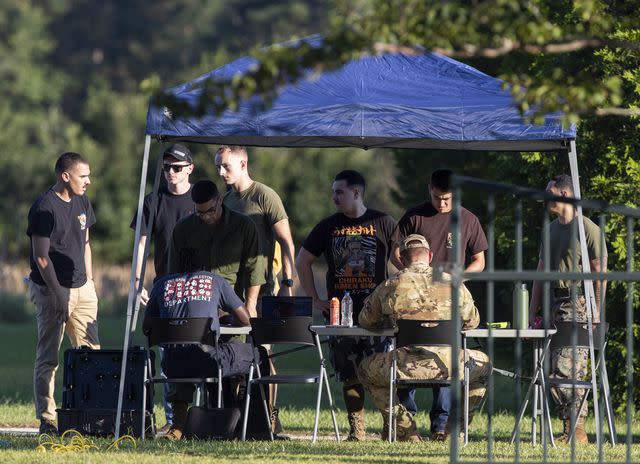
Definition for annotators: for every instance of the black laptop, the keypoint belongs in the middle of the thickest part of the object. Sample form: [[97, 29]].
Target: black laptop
[[276, 307]]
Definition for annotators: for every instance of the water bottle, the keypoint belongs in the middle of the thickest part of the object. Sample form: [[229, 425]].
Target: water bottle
[[346, 310], [520, 306]]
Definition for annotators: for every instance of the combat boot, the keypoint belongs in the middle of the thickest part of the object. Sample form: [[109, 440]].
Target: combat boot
[[384, 435], [580, 432], [274, 416], [179, 421], [408, 433], [356, 426]]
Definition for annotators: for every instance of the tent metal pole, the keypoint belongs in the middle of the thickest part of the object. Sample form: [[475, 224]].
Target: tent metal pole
[[587, 285], [132, 289]]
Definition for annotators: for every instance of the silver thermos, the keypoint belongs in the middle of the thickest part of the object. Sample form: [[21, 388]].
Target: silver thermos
[[520, 306]]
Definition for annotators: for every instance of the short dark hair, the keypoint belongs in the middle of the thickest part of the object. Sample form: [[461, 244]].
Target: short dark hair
[[187, 260], [203, 191], [563, 182], [441, 179], [352, 178], [68, 160]]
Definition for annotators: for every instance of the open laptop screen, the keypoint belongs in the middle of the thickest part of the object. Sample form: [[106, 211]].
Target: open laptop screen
[[275, 307]]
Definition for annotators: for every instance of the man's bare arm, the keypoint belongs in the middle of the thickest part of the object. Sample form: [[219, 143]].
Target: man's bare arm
[[305, 274], [282, 233], [144, 295], [477, 263], [536, 296], [251, 299], [599, 286], [395, 257]]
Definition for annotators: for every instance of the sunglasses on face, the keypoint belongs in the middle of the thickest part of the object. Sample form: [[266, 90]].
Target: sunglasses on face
[[175, 167]]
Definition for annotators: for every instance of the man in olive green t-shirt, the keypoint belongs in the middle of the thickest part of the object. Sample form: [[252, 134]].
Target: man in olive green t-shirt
[[263, 205], [217, 239], [564, 306]]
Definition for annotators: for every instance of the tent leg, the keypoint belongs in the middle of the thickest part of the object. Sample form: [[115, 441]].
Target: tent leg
[[589, 293], [132, 289]]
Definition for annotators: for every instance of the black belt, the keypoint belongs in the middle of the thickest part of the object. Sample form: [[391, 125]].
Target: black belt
[[565, 292]]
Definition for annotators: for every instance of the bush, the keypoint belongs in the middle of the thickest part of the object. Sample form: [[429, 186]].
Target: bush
[[15, 308]]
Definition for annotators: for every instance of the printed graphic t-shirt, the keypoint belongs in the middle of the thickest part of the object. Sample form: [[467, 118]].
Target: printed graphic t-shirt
[[65, 224], [197, 294], [356, 251]]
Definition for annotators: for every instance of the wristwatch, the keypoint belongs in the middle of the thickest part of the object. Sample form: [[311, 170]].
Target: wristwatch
[[287, 282]]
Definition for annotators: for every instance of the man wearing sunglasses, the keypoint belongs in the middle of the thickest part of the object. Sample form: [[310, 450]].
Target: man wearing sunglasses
[[171, 203]]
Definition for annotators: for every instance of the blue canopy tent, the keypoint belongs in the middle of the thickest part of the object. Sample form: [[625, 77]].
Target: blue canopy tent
[[425, 101], [394, 100]]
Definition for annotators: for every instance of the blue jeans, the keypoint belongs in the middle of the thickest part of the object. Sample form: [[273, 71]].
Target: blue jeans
[[166, 387], [440, 407]]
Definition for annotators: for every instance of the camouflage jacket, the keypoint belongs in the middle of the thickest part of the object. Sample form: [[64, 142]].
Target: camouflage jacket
[[412, 294]]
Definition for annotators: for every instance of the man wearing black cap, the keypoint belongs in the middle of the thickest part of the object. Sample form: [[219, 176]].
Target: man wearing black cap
[[172, 203]]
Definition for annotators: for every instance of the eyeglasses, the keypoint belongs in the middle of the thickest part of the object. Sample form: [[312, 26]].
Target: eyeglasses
[[210, 212], [176, 167]]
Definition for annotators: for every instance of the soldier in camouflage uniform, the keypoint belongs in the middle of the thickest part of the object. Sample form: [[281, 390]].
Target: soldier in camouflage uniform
[[562, 304], [412, 294]]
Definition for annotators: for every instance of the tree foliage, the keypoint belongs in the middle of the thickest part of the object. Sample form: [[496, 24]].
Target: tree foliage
[[548, 52]]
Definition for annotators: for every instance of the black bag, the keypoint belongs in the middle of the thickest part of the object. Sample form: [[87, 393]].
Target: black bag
[[211, 423], [257, 428]]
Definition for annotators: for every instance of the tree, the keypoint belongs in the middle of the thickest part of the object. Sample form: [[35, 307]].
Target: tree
[[535, 47]]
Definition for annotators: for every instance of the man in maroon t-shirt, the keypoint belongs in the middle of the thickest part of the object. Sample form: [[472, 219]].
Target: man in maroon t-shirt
[[432, 220]]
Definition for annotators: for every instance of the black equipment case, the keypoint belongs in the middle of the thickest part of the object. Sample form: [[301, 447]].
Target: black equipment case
[[90, 391]]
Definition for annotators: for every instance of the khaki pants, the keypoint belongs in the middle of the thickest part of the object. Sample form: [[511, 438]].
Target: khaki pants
[[373, 372], [81, 328]]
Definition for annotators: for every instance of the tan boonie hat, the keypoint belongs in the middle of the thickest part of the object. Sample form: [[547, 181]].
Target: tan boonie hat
[[414, 241]]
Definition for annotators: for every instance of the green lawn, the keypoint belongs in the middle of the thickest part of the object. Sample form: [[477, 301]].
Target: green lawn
[[16, 409]]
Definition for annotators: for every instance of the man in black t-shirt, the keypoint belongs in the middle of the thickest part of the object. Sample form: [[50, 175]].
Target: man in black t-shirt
[[196, 294], [172, 203], [356, 244], [61, 280], [432, 220]]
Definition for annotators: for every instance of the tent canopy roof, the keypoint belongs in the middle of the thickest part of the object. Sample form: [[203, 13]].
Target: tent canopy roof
[[394, 100]]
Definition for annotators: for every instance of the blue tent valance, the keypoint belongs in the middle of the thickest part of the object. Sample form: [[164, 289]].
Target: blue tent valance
[[394, 100]]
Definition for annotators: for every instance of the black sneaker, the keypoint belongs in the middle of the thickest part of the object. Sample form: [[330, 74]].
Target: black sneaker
[[48, 426]]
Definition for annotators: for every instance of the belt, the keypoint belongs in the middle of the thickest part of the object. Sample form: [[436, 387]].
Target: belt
[[565, 292]]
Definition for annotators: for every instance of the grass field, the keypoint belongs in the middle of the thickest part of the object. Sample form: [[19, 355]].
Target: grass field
[[17, 343]]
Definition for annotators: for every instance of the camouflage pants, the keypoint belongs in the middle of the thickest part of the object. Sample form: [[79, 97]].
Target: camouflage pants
[[562, 361], [420, 364]]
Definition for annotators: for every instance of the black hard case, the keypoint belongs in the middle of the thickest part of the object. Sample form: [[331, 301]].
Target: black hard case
[[91, 381]]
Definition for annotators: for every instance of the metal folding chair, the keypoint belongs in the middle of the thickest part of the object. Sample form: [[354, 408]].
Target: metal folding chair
[[564, 339], [431, 333], [184, 331], [293, 331]]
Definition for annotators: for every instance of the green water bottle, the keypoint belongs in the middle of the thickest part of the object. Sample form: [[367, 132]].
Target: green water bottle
[[520, 306]]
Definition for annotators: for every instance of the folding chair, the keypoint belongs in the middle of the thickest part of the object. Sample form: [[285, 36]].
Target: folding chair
[[184, 331], [563, 339], [431, 333], [289, 330]]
